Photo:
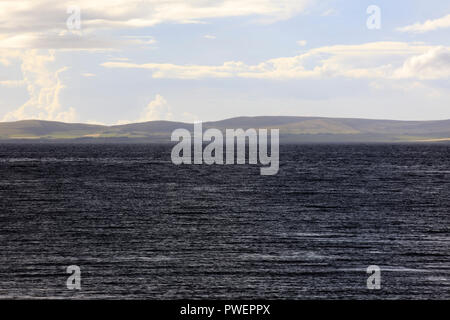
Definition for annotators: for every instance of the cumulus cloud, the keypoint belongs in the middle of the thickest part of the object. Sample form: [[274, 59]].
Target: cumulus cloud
[[157, 109], [433, 64], [371, 60], [429, 25], [44, 87]]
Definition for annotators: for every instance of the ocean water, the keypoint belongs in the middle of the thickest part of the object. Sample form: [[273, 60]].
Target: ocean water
[[140, 227]]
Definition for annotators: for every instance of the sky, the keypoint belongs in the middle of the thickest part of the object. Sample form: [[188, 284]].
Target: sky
[[122, 61]]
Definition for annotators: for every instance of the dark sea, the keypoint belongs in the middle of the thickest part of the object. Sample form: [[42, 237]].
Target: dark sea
[[139, 226]]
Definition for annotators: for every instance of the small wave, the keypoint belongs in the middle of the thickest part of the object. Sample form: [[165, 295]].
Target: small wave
[[284, 257], [142, 258], [388, 269], [437, 279]]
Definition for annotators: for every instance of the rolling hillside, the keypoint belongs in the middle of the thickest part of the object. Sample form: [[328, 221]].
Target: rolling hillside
[[292, 130]]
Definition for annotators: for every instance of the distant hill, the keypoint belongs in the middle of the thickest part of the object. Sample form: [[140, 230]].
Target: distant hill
[[292, 130]]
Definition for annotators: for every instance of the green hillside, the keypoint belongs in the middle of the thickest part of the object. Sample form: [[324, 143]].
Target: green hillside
[[292, 130]]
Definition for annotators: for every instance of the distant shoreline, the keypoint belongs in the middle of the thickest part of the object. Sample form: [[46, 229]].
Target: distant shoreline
[[293, 130]]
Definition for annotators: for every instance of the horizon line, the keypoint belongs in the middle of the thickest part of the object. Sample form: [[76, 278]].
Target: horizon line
[[225, 119]]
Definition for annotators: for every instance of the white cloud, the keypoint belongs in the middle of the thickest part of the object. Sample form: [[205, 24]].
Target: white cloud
[[433, 64], [302, 43], [70, 41], [157, 109], [42, 23], [88, 75], [44, 88], [141, 40], [8, 56], [429, 25], [371, 60], [168, 70], [210, 37]]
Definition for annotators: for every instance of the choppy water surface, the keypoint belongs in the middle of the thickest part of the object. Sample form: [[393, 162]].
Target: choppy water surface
[[141, 227]]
